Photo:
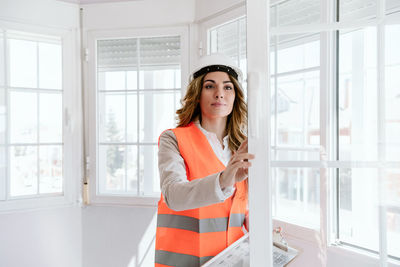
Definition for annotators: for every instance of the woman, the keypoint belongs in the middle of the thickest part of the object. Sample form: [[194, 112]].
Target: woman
[[203, 167]]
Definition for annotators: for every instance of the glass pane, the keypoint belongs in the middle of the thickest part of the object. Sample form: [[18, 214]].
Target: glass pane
[[50, 118], [358, 212], [392, 43], [112, 172], [309, 153], [391, 182], [156, 114], [242, 39], [132, 170], [296, 195], [51, 169], [393, 234], [273, 115], [112, 117], [296, 52], [50, 66], [2, 60], [3, 115], [178, 105], [132, 122], [350, 10], [160, 77], [213, 35], [358, 207], [242, 53], [178, 79], [23, 170], [23, 117], [391, 196], [298, 109], [23, 63], [112, 80], [295, 12], [131, 80], [392, 93], [272, 61], [357, 95], [3, 172], [149, 175], [228, 41]]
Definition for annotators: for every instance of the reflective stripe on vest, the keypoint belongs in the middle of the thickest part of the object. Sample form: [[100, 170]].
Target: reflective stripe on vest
[[200, 225], [179, 260], [192, 237]]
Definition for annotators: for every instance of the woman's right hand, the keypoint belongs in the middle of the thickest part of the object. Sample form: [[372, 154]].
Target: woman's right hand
[[237, 168]]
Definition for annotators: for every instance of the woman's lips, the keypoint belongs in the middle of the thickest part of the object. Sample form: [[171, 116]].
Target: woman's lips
[[217, 104]]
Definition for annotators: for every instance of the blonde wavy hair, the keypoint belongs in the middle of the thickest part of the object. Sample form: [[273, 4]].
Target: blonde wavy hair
[[236, 125]]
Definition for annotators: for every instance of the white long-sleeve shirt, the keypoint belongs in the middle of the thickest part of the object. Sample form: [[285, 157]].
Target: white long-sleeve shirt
[[178, 192]]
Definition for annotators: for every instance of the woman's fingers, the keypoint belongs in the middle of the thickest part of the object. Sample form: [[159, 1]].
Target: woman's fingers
[[242, 171], [241, 156], [236, 170], [243, 146], [241, 164]]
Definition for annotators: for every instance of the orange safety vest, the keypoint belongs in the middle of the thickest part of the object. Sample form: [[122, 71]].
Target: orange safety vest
[[192, 237]]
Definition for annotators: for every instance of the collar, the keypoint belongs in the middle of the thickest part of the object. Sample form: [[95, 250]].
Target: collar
[[207, 133]]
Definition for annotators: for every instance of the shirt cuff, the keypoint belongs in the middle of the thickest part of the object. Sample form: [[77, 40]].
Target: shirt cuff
[[223, 193]]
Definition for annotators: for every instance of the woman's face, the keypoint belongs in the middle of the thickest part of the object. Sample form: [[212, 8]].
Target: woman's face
[[217, 95]]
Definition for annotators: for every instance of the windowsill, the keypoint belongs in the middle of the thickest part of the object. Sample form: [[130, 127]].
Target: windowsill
[[35, 204], [359, 255], [142, 201], [303, 233], [312, 236]]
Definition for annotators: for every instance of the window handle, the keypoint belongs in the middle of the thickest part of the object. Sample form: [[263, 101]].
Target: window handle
[[67, 120], [253, 88]]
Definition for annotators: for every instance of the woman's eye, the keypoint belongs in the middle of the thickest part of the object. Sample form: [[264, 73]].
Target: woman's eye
[[208, 86], [228, 88]]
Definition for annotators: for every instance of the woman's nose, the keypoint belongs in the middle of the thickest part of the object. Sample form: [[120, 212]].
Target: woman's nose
[[219, 93]]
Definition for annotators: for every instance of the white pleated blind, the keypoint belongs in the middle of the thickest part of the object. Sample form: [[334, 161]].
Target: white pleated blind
[[117, 53], [133, 52], [160, 51]]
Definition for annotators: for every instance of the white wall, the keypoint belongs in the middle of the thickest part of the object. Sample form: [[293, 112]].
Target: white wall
[[206, 8], [118, 236], [49, 13], [138, 14], [45, 238]]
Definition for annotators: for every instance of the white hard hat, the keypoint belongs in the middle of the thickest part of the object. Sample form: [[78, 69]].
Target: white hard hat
[[216, 62]]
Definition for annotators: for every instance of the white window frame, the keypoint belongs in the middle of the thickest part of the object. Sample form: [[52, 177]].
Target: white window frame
[[215, 20], [91, 111], [71, 122], [259, 124], [260, 199]]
